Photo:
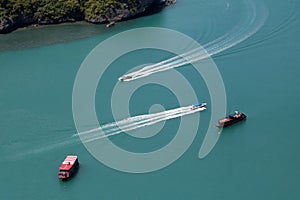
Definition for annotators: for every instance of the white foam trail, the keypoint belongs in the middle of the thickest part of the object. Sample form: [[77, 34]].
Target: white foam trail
[[111, 129], [135, 122], [242, 31]]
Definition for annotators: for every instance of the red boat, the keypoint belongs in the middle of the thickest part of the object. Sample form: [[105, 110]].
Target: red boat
[[68, 167]]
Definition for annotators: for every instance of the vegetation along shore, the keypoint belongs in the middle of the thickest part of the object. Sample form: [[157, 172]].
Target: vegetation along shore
[[19, 13]]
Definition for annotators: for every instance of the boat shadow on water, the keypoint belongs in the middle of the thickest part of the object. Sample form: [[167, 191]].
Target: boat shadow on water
[[234, 128]]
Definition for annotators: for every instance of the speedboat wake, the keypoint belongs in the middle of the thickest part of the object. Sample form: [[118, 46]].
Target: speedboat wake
[[253, 21], [136, 122]]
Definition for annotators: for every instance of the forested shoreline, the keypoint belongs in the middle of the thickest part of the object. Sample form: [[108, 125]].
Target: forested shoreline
[[18, 13]]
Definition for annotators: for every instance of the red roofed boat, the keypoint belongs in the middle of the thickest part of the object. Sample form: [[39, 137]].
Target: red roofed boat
[[68, 167]]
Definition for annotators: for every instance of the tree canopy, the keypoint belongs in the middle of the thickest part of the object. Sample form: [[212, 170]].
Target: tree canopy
[[45, 11]]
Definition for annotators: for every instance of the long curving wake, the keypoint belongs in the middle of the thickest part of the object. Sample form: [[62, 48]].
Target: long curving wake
[[242, 31], [135, 122]]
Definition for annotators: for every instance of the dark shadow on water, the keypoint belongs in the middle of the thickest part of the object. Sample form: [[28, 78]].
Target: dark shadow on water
[[31, 37]]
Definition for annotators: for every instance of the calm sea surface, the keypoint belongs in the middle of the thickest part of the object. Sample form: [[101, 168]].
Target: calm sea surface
[[256, 159]]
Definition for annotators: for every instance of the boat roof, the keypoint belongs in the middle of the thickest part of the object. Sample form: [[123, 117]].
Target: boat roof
[[68, 163]]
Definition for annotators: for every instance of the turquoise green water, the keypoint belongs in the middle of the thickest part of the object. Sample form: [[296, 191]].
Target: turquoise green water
[[257, 159]]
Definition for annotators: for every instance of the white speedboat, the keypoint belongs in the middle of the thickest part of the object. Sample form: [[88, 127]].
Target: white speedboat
[[125, 77], [198, 105]]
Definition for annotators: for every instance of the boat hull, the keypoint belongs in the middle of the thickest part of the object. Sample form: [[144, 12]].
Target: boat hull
[[72, 172], [232, 121]]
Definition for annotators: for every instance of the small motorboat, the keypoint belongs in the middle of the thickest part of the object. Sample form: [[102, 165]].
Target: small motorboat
[[110, 24], [125, 77], [231, 119], [198, 105], [68, 167]]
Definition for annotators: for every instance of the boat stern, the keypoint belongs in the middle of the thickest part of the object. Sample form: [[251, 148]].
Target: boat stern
[[124, 78], [63, 175]]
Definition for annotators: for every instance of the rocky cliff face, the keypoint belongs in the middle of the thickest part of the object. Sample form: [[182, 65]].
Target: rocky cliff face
[[127, 12], [10, 24], [6, 25]]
